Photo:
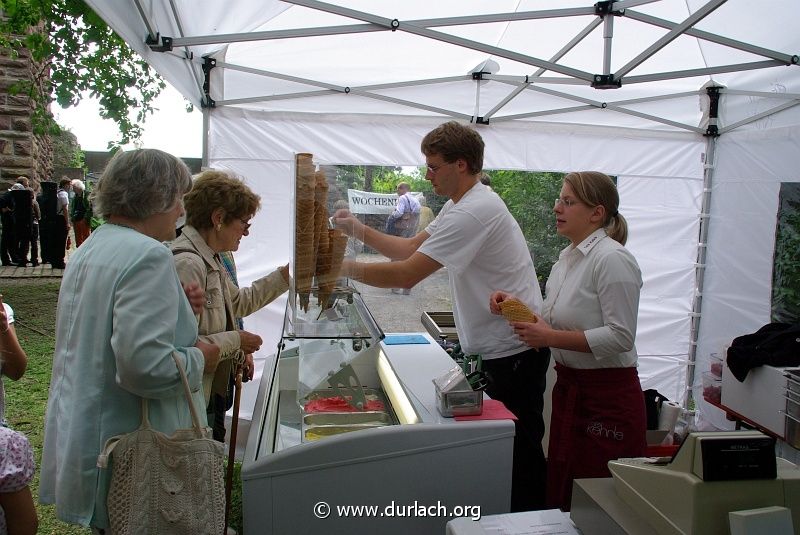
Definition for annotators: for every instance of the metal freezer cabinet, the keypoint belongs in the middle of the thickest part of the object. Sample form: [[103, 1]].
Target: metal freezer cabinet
[[414, 471]]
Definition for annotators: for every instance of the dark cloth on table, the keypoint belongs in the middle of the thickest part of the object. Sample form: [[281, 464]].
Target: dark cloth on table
[[774, 344]]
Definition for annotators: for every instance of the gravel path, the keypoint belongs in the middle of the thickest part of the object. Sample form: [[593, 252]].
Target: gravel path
[[402, 313]]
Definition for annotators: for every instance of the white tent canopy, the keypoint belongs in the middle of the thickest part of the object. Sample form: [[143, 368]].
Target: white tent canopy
[[617, 86]]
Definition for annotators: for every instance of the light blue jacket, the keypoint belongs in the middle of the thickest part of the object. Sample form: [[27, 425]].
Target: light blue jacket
[[121, 314]]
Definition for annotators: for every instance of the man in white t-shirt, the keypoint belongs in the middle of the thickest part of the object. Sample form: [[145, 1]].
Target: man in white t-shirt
[[483, 248]]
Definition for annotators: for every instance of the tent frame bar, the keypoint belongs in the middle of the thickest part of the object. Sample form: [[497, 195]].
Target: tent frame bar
[[671, 35], [151, 35], [557, 56], [785, 59], [372, 27], [767, 113]]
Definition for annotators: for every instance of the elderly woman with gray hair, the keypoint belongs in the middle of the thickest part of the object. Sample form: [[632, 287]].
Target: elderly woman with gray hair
[[121, 316]]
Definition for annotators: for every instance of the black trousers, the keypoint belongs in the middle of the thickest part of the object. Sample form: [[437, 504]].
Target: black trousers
[[35, 244], [58, 247], [215, 412], [519, 381]]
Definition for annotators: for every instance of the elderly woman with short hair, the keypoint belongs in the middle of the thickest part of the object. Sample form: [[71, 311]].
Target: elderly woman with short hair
[[121, 316], [218, 213]]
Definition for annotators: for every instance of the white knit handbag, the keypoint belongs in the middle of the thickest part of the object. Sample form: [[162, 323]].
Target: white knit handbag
[[166, 484]]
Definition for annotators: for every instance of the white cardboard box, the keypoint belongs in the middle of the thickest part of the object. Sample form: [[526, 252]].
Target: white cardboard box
[[760, 398]]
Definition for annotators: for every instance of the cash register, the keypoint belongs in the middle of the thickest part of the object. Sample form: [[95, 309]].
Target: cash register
[[710, 475]]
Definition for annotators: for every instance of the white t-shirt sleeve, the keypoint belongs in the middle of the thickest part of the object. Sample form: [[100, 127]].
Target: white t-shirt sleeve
[[9, 313], [455, 239]]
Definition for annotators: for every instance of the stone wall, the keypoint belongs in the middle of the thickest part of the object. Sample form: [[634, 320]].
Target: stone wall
[[22, 152]]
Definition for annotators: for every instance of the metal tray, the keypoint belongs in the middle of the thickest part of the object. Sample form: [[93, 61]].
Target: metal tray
[[440, 325], [320, 425], [319, 432], [347, 418]]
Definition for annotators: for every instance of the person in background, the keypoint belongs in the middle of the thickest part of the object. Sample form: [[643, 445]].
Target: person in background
[[22, 196], [589, 322], [425, 215], [486, 180], [403, 221], [13, 360], [48, 201], [218, 213], [483, 248], [61, 225], [122, 314], [37, 215], [80, 212], [17, 511]]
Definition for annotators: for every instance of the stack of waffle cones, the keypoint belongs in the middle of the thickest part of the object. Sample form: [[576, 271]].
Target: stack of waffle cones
[[304, 257], [319, 250]]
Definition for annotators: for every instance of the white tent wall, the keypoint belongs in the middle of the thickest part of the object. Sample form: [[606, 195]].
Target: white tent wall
[[660, 180]]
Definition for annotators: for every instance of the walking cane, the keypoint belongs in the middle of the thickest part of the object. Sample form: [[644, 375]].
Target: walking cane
[[232, 446]]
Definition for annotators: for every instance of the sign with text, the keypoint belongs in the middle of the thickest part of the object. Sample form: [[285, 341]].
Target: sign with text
[[367, 202]]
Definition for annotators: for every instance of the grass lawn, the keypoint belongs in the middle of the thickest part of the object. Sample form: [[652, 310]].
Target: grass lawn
[[34, 304]]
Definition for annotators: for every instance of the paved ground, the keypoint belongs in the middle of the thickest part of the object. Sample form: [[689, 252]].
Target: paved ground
[[402, 313], [10, 274]]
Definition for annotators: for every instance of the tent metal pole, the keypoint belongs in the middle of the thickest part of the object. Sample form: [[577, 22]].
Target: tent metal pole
[[700, 269], [712, 133], [206, 130], [151, 35], [627, 4], [367, 28], [188, 54], [671, 35], [656, 77], [615, 107], [771, 111], [785, 59], [395, 24], [557, 56], [608, 41], [766, 94]]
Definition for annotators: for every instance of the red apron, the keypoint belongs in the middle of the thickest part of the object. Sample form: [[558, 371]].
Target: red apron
[[598, 415]]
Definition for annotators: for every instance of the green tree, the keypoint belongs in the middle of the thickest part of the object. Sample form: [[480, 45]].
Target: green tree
[[786, 267], [77, 53]]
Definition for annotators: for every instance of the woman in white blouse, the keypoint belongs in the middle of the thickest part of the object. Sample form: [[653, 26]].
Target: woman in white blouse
[[589, 322]]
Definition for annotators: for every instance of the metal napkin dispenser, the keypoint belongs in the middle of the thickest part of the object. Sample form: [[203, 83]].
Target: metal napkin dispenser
[[455, 396]]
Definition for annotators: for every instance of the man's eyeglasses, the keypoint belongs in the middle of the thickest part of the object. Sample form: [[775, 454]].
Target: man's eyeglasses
[[245, 224], [565, 202], [434, 168]]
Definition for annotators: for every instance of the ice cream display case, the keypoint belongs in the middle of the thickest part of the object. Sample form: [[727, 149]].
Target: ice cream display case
[[347, 421]]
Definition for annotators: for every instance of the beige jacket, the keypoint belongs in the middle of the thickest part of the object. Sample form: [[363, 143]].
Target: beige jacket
[[196, 262]]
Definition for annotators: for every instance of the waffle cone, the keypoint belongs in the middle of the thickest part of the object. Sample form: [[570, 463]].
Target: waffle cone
[[516, 310]]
